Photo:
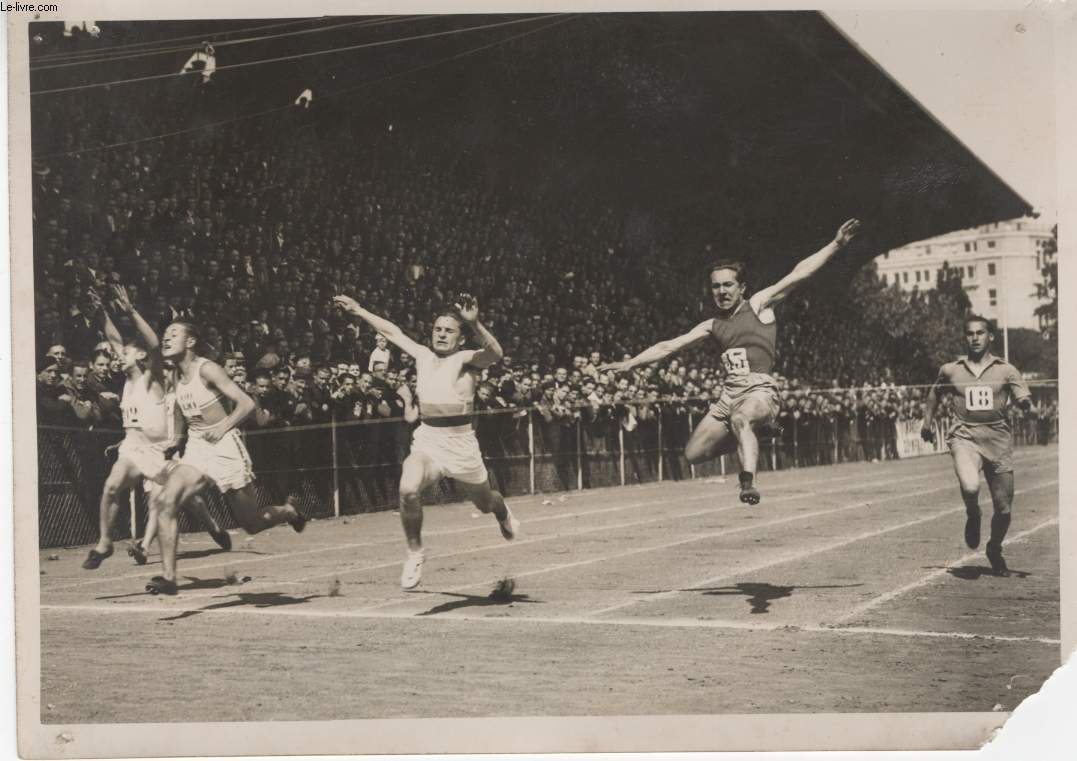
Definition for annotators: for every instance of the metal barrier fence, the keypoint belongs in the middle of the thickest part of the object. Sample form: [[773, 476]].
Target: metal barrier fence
[[354, 467]]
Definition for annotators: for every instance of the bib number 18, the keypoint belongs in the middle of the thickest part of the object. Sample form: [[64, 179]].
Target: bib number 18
[[979, 398], [736, 361]]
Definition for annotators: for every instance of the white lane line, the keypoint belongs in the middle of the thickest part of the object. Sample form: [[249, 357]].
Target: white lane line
[[503, 545], [232, 560], [886, 597], [805, 554], [621, 621]]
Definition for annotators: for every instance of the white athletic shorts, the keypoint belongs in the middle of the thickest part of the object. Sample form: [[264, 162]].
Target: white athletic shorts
[[455, 451], [149, 458], [226, 463]]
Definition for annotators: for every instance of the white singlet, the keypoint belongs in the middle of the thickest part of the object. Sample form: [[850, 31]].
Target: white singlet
[[225, 462], [447, 390], [143, 412], [148, 427], [443, 386], [194, 397]]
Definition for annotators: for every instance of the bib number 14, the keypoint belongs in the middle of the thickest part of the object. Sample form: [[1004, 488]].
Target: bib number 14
[[736, 361], [979, 398]]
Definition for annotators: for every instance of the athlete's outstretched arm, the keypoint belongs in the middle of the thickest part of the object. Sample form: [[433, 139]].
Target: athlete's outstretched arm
[[123, 302], [112, 335], [661, 350], [215, 377], [388, 329], [768, 297], [491, 350]]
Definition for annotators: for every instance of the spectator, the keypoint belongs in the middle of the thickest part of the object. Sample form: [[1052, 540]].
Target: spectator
[[380, 354]]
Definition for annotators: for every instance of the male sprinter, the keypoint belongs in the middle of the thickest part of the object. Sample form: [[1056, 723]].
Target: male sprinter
[[746, 332], [213, 406], [982, 386], [444, 444], [149, 431]]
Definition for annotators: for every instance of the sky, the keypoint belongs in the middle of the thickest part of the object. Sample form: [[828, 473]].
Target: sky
[[988, 76]]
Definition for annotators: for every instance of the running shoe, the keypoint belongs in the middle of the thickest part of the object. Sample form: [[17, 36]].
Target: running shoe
[[138, 553], [223, 539], [94, 560], [159, 585], [299, 522], [749, 495], [510, 526], [998, 563], [413, 569]]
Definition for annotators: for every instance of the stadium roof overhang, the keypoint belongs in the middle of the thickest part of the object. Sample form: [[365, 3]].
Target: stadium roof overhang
[[758, 133]]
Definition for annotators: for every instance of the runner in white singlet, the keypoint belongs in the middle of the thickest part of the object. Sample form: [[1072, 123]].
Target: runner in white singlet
[[213, 407], [444, 444], [149, 431]]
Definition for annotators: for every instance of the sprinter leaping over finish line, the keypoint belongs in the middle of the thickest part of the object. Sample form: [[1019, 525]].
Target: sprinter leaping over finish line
[[746, 332]]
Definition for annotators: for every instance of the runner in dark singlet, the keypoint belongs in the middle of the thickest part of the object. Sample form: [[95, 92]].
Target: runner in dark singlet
[[746, 333]]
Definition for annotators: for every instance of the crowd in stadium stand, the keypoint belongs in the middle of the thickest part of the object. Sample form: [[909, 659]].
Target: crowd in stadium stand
[[251, 245]]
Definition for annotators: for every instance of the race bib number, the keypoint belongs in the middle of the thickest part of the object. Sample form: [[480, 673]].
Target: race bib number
[[189, 409], [979, 398], [130, 416], [736, 361]]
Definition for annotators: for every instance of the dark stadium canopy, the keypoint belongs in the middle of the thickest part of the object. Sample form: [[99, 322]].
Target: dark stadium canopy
[[758, 133]]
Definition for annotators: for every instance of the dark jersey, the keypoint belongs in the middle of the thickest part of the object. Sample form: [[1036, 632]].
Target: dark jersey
[[748, 345]]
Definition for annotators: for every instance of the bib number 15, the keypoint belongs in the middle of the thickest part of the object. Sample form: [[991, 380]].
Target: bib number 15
[[736, 361], [979, 398]]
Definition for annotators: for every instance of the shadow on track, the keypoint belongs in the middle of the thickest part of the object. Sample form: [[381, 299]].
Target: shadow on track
[[253, 599], [759, 594], [974, 572], [476, 601]]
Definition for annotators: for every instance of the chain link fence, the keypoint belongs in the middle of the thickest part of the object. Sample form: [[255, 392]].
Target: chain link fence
[[354, 467]]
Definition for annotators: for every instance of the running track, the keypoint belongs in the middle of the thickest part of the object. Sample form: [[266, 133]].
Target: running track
[[848, 589]]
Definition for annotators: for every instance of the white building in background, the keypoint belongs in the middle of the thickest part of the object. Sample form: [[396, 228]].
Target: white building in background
[[999, 265]]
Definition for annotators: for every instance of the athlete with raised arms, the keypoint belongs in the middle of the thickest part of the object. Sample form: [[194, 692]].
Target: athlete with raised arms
[[150, 430], [444, 444], [746, 331]]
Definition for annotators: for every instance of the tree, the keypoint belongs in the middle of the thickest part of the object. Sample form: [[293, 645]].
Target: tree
[[1048, 289], [862, 331], [1033, 354]]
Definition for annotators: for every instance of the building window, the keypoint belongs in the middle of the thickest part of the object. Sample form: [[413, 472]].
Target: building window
[[972, 271], [991, 269], [883, 278], [990, 244], [992, 294], [967, 249], [905, 277], [927, 249], [918, 276], [974, 246]]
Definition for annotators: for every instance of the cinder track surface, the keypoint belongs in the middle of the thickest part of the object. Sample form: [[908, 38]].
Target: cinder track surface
[[847, 589]]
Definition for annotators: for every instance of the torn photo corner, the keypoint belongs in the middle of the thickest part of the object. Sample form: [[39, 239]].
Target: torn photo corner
[[448, 379]]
